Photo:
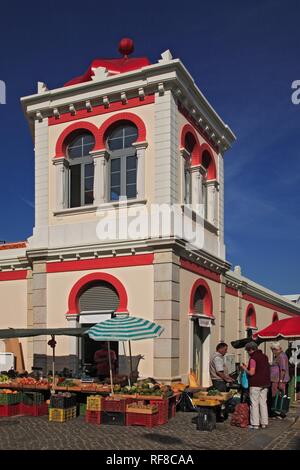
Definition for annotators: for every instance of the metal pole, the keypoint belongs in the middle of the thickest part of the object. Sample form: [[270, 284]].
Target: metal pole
[[130, 359], [124, 350], [110, 370], [53, 364]]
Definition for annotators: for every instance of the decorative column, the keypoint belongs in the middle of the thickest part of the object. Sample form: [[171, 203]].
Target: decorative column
[[100, 158], [140, 177], [212, 188], [62, 180]]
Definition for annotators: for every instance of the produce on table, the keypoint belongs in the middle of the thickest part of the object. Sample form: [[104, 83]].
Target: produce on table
[[213, 392], [4, 379], [145, 388], [8, 391]]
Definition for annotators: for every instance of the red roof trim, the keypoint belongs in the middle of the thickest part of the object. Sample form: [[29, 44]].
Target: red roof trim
[[231, 291], [263, 303], [12, 246]]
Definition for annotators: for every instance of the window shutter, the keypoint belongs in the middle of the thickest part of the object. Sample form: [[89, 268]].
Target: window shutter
[[99, 297]]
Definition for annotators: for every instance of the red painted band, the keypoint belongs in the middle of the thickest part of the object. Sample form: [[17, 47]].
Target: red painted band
[[12, 246], [100, 263], [13, 275], [231, 291], [100, 109], [190, 266]]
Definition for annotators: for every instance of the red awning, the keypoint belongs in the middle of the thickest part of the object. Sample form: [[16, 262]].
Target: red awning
[[289, 328]]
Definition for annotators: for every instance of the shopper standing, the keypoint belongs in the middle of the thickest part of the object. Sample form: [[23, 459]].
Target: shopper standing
[[258, 371]]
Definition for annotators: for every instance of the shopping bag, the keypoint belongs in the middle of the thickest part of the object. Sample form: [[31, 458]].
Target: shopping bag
[[280, 403], [244, 380]]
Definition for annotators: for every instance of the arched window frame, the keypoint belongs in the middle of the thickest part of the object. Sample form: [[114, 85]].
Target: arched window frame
[[81, 170], [207, 301], [275, 317], [125, 161], [250, 315]]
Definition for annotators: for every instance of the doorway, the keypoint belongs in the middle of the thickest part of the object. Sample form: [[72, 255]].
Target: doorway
[[200, 334]]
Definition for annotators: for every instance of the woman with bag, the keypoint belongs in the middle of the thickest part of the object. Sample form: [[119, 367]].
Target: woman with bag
[[279, 378]]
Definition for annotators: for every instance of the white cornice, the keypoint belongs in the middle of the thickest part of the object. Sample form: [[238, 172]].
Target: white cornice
[[172, 74], [246, 286]]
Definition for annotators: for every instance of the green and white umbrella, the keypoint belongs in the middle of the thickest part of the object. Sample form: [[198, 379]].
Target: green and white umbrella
[[124, 328]]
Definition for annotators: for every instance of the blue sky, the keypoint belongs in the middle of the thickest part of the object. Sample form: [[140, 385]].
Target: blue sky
[[243, 56]]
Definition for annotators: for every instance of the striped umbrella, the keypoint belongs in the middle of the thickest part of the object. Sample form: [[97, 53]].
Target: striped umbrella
[[124, 328]]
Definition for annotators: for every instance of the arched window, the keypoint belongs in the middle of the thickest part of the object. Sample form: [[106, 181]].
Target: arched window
[[275, 317], [201, 299], [250, 319], [189, 145], [81, 169], [122, 160]]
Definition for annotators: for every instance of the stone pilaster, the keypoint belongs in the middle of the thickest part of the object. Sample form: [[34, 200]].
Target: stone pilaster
[[39, 309], [222, 308], [62, 180], [100, 187], [140, 177], [29, 359], [166, 313], [166, 149]]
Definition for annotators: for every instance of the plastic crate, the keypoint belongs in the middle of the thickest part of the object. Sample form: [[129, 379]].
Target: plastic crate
[[163, 410], [94, 403], [62, 414], [60, 401], [138, 419], [10, 398], [32, 398], [172, 407], [116, 405], [9, 410], [109, 417], [34, 410], [93, 417], [82, 409]]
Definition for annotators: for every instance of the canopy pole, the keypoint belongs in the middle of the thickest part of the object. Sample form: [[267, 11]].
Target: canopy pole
[[52, 344], [110, 369], [124, 350], [295, 373], [130, 359]]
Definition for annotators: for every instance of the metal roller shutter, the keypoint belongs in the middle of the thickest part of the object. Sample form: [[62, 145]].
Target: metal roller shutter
[[99, 297]]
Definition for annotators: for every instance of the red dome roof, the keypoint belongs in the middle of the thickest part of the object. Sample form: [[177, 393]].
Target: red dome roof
[[114, 66]]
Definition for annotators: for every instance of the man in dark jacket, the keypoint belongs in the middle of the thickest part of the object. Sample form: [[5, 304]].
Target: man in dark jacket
[[258, 371]]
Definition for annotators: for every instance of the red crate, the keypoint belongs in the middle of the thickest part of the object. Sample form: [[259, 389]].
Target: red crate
[[93, 417], [139, 419], [163, 410], [34, 410], [116, 406], [172, 407], [10, 410]]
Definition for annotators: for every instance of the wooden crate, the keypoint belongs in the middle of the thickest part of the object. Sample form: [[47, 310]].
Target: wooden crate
[[206, 403], [222, 396]]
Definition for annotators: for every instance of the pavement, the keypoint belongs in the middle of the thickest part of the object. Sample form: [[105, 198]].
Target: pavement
[[33, 433]]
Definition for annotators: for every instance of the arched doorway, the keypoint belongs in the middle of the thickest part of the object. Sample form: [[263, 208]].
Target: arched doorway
[[97, 302], [94, 298], [250, 320]]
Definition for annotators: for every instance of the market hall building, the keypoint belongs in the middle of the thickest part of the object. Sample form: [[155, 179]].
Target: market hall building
[[129, 129]]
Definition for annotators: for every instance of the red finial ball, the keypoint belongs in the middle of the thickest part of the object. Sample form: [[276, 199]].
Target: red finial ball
[[126, 46]]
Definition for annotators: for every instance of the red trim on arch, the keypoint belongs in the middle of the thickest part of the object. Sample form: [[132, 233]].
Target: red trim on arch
[[250, 314], [275, 317], [192, 121], [123, 117], [212, 170], [80, 285], [100, 263], [13, 275], [60, 148], [208, 302], [187, 128], [263, 303], [101, 109], [195, 268]]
